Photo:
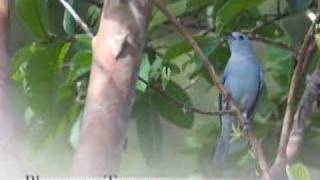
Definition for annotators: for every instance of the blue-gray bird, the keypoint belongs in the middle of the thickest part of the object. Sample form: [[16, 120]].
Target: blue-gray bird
[[243, 79]]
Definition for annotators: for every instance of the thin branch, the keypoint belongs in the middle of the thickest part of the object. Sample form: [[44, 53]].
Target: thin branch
[[250, 136], [275, 19], [174, 101], [301, 56], [265, 40], [272, 42], [77, 18]]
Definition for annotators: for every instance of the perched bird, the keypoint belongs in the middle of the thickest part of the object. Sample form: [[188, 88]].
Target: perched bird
[[243, 79]]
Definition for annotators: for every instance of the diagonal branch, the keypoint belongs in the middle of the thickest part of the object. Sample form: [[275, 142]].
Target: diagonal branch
[[250, 136], [287, 121], [272, 42], [174, 101], [77, 18]]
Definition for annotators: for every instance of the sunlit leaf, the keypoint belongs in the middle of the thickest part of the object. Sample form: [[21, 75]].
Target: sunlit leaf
[[298, 172]]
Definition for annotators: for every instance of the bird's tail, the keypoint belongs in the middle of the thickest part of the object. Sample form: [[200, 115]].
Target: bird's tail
[[222, 150]]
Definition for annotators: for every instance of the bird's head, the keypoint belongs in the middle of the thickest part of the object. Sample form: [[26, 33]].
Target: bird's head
[[239, 43]]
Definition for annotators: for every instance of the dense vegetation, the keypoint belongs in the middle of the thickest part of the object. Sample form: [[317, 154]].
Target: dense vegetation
[[174, 93]]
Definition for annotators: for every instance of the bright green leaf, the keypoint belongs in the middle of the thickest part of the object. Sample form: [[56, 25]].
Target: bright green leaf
[[298, 172]]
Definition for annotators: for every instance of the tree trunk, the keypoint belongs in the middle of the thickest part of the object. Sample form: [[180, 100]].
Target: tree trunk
[[10, 129], [117, 49]]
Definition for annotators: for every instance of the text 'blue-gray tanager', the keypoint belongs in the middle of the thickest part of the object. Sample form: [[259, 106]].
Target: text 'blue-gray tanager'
[[243, 79]]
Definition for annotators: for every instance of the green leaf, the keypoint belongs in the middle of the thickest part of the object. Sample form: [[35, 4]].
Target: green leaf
[[82, 42], [149, 129], [40, 77], [231, 9], [34, 15], [183, 47], [93, 14], [296, 6], [20, 57], [196, 4], [177, 8], [170, 111], [80, 64], [298, 172], [278, 68], [69, 23], [143, 73]]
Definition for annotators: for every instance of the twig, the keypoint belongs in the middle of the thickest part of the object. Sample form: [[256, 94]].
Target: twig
[[266, 23], [287, 121], [262, 39], [250, 136], [187, 108], [77, 18], [265, 40]]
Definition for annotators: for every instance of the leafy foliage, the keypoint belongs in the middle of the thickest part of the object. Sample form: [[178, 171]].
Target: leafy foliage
[[52, 74]]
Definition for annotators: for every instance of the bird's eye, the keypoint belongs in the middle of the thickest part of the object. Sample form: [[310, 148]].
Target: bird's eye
[[241, 37]]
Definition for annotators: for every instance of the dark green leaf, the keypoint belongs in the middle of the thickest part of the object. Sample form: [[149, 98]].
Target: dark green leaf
[[34, 14], [80, 64], [69, 23], [143, 73], [82, 42], [296, 6], [149, 129], [171, 112], [231, 9]]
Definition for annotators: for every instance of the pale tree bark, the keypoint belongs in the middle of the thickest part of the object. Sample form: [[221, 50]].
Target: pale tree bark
[[117, 49], [11, 129], [310, 96]]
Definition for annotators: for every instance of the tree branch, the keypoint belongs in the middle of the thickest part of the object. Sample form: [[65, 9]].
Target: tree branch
[[272, 42], [188, 109], [250, 136], [117, 50], [287, 121], [310, 96]]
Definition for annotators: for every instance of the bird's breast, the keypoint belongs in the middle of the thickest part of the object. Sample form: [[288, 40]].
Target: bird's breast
[[243, 84]]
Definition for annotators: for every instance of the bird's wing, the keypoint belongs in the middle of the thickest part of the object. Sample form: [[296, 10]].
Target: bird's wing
[[252, 109]]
